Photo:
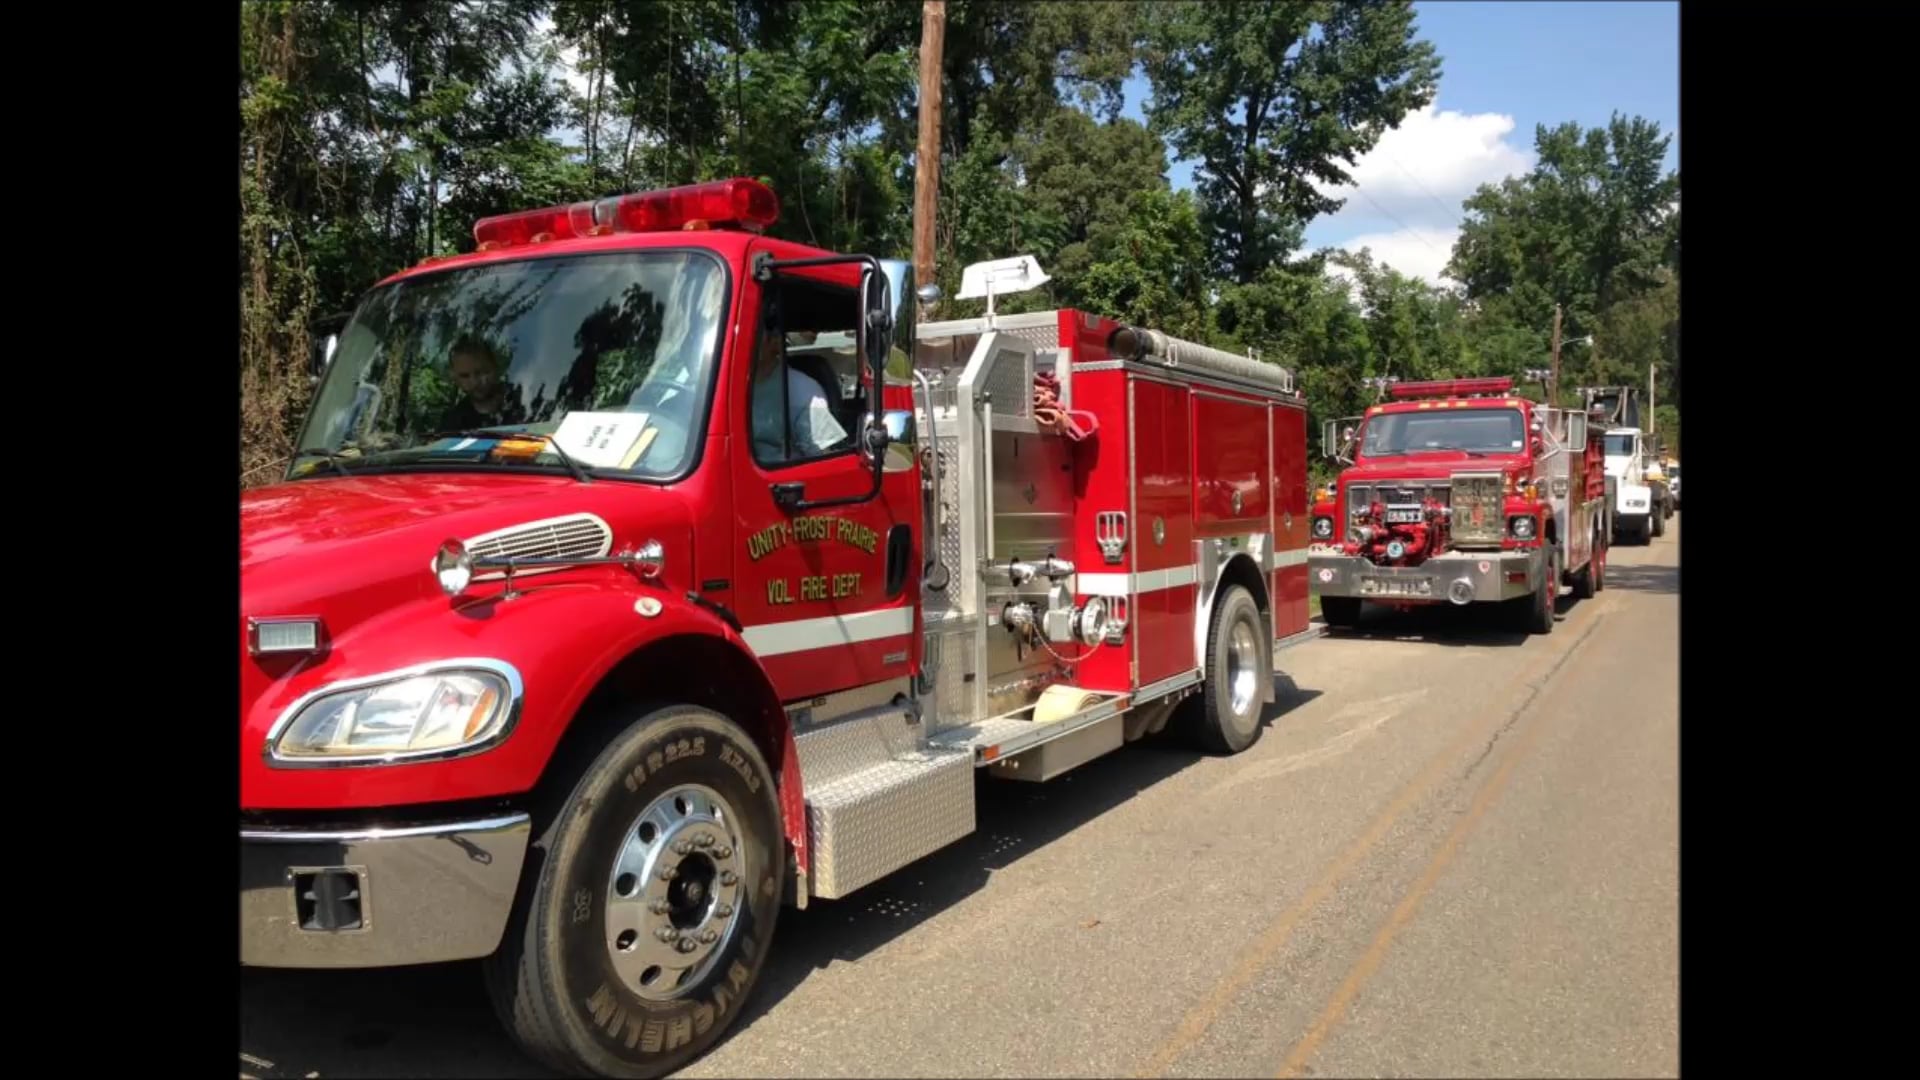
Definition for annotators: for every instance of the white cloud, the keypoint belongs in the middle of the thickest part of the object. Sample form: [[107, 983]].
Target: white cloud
[[1422, 170], [1405, 199], [1417, 252]]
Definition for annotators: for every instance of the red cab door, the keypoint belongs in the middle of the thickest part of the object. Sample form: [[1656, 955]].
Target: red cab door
[[827, 596]]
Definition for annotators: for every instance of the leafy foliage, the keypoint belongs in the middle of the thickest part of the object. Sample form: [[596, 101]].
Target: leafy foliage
[[374, 134]]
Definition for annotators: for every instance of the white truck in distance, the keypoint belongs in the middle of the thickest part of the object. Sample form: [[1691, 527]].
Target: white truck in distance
[[1635, 515]]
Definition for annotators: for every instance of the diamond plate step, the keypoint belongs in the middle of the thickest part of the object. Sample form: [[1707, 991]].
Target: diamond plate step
[[877, 799], [875, 821]]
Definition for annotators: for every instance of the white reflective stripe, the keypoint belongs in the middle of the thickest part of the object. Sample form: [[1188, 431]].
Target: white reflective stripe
[[1104, 584], [1283, 559], [1144, 582], [830, 632], [1172, 577]]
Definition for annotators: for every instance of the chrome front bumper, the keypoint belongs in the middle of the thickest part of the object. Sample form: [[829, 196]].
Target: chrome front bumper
[[378, 897], [1491, 575]]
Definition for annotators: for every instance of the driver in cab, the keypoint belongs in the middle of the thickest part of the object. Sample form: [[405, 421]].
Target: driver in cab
[[486, 398], [803, 408]]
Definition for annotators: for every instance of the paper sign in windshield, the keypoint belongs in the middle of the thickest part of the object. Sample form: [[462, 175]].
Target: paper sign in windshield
[[604, 440]]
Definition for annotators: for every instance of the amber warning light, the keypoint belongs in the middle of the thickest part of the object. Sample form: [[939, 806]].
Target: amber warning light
[[740, 202]]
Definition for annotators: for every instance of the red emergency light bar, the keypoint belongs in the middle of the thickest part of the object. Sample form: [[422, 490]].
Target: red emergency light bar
[[1451, 388], [738, 201]]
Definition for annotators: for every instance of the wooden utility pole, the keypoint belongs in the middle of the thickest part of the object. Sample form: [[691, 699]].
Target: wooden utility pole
[[926, 174], [1650, 421], [1553, 387]]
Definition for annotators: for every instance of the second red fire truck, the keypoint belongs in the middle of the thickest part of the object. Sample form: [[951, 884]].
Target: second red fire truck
[[1460, 492], [639, 573]]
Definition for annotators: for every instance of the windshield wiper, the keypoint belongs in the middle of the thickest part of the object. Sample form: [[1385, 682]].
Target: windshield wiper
[[573, 466], [333, 457], [1434, 449]]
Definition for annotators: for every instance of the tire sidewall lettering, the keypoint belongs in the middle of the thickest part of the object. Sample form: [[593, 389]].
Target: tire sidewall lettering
[[679, 749]]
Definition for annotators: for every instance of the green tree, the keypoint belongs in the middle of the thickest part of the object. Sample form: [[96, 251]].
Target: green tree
[[1274, 98], [1595, 222]]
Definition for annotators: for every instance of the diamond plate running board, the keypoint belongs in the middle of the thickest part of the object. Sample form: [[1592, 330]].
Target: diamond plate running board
[[877, 801]]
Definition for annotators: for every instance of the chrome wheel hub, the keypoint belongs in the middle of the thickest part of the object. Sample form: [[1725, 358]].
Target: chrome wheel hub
[[1243, 668], [674, 893]]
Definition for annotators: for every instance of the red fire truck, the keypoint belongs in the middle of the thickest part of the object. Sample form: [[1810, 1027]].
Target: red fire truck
[[1460, 492], [640, 574]]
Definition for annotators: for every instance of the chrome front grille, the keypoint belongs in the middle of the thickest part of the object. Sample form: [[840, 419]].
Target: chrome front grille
[[1397, 493], [1479, 500]]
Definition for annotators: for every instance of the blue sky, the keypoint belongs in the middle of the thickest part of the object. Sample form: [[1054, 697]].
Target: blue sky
[[1505, 68]]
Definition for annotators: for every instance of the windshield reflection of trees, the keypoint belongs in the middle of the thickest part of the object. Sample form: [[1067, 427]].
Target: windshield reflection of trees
[[614, 348]]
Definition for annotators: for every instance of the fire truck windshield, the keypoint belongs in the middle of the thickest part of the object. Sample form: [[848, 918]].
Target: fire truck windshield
[[625, 343], [1392, 434]]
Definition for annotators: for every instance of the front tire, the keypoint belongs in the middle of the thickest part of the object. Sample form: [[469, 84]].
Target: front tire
[[1238, 663], [649, 902], [1541, 604], [1340, 611]]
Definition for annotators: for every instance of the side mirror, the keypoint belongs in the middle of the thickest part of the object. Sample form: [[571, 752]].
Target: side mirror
[[902, 441], [324, 354], [323, 336], [876, 342], [1577, 431], [1335, 442]]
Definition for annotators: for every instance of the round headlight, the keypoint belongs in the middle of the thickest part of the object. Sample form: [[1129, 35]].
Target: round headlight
[[1395, 549], [1523, 528], [1323, 528], [453, 567]]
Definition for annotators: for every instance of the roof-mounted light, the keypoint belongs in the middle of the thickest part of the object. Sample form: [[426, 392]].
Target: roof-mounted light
[[1452, 388], [739, 202], [536, 226]]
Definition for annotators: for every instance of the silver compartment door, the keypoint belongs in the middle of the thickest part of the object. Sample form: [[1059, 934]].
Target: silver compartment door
[[996, 393]]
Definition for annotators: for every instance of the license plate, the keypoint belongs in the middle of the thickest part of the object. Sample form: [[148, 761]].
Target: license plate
[[1380, 586], [1411, 515]]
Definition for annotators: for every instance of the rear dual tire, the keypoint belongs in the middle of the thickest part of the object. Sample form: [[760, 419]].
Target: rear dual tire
[[1239, 673]]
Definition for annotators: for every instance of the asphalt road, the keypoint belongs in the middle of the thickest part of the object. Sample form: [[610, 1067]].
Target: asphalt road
[[1455, 851]]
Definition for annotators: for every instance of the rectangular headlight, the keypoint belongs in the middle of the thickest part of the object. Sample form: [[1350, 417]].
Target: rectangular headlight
[[283, 635], [445, 712]]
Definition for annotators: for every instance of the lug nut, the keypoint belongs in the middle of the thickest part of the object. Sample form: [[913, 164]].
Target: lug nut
[[668, 873], [723, 852], [704, 840], [667, 934], [722, 910], [686, 945], [709, 936], [659, 907], [681, 847], [728, 877]]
